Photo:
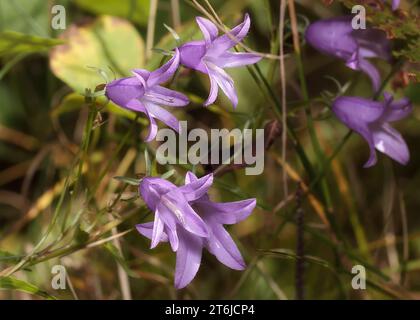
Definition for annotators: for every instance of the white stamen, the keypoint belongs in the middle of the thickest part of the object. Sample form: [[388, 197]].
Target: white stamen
[[173, 208], [159, 97], [380, 146]]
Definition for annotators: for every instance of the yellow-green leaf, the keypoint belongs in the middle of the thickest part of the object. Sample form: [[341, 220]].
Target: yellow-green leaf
[[134, 10], [107, 43]]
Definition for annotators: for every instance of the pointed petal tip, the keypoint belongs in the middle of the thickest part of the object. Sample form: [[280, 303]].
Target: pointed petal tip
[[179, 285], [241, 266], [370, 163]]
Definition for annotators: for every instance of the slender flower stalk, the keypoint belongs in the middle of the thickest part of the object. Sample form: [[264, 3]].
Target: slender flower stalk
[[143, 93], [213, 54], [187, 218]]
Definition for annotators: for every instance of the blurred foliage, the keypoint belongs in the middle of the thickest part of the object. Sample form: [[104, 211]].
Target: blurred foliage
[[402, 25], [134, 10], [13, 43]]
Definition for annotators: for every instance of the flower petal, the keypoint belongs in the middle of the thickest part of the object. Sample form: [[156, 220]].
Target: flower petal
[[176, 203], [165, 72], [153, 128], [227, 41], [190, 177], [225, 82], [373, 43], [157, 230], [151, 189], [141, 75], [214, 90], [226, 212], [198, 188], [191, 55], [163, 115], [372, 72], [221, 245], [122, 91], [188, 258], [146, 229], [167, 97], [357, 113], [170, 226], [208, 29], [356, 110], [396, 110], [395, 4], [136, 105], [389, 141], [236, 59], [333, 37]]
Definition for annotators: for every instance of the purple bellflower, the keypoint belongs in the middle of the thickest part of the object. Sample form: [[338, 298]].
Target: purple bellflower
[[337, 38], [187, 218], [213, 54], [142, 92], [371, 120]]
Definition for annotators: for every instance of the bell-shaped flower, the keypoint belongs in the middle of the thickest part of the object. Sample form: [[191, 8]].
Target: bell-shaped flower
[[371, 120], [218, 241], [336, 37], [142, 92], [213, 54], [172, 208]]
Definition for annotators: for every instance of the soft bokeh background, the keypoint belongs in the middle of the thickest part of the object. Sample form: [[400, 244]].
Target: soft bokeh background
[[60, 149]]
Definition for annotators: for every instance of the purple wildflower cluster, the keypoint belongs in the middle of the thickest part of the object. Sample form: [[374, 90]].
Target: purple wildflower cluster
[[143, 91], [185, 216], [187, 219], [367, 117]]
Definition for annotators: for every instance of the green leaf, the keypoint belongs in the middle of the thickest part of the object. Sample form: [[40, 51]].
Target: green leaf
[[26, 16], [13, 43], [134, 10], [131, 181], [10, 283], [110, 44]]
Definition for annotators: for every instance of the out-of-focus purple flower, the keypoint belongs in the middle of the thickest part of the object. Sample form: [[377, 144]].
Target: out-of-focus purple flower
[[213, 54], [336, 37], [371, 120], [395, 4], [189, 244], [143, 93]]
